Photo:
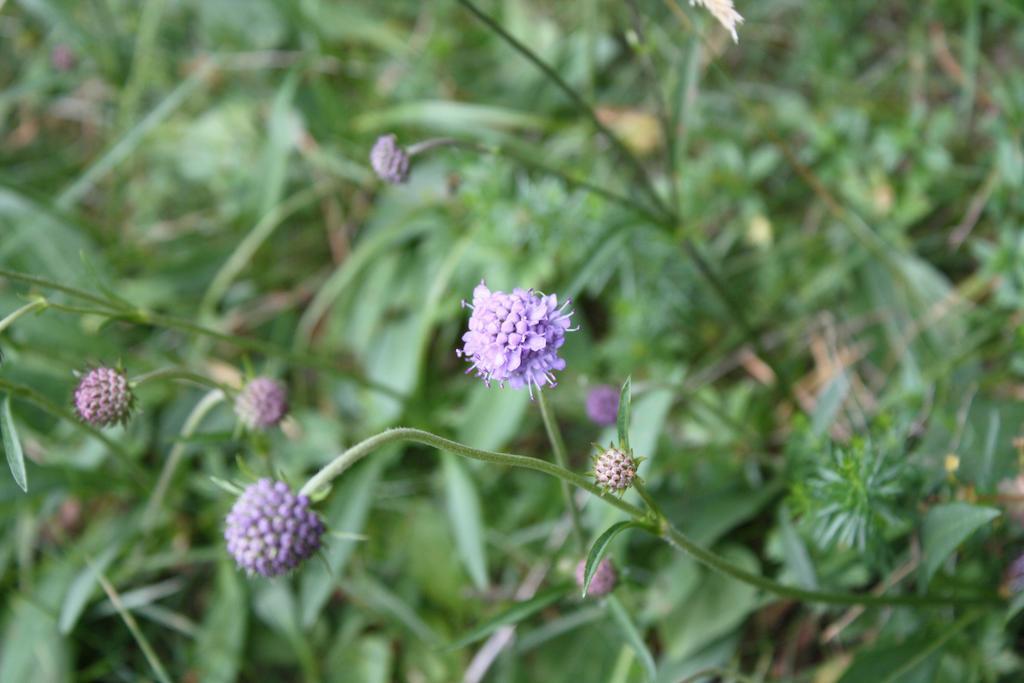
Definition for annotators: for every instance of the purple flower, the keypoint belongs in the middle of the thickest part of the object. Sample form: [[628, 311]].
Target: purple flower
[[390, 162], [103, 397], [270, 530], [603, 404], [262, 403], [603, 581], [515, 337]]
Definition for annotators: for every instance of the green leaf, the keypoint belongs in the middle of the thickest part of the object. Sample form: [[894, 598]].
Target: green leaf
[[946, 527], [597, 551], [218, 649], [348, 511], [1016, 605], [830, 400], [622, 421], [513, 615], [465, 517], [82, 588], [716, 607], [632, 636], [12, 446], [797, 559], [912, 660]]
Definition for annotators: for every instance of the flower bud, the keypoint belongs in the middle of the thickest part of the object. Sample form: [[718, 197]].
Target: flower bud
[[603, 581], [614, 469], [263, 403], [103, 397], [389, 161]]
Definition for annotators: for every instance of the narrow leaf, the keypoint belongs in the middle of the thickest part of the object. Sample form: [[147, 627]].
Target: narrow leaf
[[82, 588], [945, 528], [632, 636], [133, 627], [597, 551], [513, 615], [218, 649], [12, 446], [464, 514], [797, 559], [623, 418], [348, 511]]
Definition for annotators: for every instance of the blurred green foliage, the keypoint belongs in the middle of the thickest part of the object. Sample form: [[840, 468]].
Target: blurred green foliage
[[851, 172]]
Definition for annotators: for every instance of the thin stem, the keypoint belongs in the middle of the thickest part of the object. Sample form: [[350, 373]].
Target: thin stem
[[192, 422], [651, 74], [137, 316], [179, 374], [558, 448], [645, 496], [36, 305], [716, 562], [663, 529], [576, 99], [530, 163], [50, 284], [342, 462]]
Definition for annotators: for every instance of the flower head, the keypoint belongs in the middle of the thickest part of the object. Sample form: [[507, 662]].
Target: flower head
[[390, 162], [603, 404], [515, 337], [614, 469], [603, 581], [262, 403], [103, 397], [270, 530]]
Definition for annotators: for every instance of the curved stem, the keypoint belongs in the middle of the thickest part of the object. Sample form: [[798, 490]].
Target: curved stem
[[180, 374], [192, 422], [50, 284], [645, 496], [558, 447], [663, 529], [36, 305], [342, 462]]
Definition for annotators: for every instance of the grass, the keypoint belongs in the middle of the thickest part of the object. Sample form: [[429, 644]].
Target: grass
[[804, 249]]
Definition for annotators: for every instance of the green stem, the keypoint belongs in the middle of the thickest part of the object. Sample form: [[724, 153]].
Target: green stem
[[572, 181], [558, 447], [36, 305], [50, 284], [576, 99], [192, 422], [179, 374], [117, 311], [681, 541], [342, 462], [664, 530], [645, 496]]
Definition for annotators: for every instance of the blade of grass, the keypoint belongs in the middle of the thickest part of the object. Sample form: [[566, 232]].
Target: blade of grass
[[147, 650]]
